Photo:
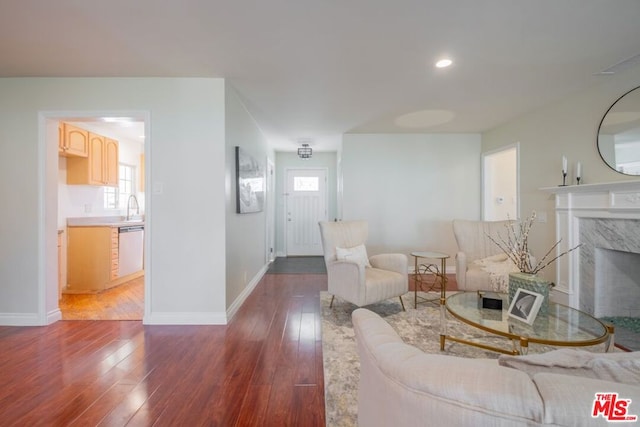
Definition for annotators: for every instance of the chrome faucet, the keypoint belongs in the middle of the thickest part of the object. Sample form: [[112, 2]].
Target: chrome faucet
[[135, 199]]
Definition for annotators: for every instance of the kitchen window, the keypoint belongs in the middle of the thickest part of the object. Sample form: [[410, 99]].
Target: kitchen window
[[116, 197]]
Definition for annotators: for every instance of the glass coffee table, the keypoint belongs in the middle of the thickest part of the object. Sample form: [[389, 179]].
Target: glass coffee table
[[561, 326]]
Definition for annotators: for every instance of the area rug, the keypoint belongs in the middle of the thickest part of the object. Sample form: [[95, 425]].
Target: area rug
[[418, 327]]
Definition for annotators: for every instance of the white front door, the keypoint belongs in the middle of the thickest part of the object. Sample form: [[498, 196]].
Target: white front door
[[306, 205]]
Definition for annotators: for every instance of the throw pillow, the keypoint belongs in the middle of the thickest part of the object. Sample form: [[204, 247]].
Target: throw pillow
[[356, 254], [621, 367]]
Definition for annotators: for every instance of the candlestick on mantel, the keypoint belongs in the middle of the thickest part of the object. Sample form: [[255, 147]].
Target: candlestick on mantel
[[564, 171], [578, 172]]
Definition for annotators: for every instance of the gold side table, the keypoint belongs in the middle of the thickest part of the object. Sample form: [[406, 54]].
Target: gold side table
[[422, 270]]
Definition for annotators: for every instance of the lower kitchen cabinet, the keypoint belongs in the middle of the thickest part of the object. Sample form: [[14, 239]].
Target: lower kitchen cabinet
[[92, 259]]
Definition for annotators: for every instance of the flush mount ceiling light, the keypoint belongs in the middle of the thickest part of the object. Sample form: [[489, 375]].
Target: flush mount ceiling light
[[305, 151], [444, 63]]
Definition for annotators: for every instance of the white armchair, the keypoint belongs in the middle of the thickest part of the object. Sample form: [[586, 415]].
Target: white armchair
[[351, 274], [474, 245]]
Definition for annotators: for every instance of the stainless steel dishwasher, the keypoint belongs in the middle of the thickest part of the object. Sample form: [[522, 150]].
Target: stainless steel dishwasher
[[130, 249]]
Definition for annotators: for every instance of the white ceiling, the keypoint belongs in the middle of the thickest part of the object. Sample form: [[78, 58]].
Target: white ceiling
[[320, 68]]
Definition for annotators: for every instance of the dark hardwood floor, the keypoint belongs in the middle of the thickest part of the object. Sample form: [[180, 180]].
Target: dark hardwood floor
[[264, 368]]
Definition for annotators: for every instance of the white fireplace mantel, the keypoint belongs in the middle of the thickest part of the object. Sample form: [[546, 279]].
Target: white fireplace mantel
[[613, 200]]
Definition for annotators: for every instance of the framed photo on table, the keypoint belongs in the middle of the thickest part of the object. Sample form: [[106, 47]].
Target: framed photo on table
[[525, 305]]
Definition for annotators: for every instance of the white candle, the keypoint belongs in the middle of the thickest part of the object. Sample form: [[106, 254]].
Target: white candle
[[564, 164], [579, 170]]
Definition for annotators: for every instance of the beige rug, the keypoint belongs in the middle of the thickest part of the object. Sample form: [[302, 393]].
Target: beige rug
[[419, 327]]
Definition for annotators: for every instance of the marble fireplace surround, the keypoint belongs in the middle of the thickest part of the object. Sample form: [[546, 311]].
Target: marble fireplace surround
[[600, 216]]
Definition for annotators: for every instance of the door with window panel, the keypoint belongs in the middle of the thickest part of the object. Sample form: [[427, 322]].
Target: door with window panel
[[306, 205]]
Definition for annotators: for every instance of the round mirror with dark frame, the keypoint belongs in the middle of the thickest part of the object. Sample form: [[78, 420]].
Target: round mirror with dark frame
[[619, 134]]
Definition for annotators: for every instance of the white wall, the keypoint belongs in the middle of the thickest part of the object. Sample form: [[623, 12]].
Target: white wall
[[286, 161], [245, 233], [568, 127], [410, 187], [185, 266]]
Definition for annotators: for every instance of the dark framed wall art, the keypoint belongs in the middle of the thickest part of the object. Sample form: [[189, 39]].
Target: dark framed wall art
[[250, 183]]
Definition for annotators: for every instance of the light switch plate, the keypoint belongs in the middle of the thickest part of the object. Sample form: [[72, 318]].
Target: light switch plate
[[158, 188], [542, 217]]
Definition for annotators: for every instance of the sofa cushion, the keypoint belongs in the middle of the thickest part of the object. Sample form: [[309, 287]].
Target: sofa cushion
[[623, 367], [569, 400]]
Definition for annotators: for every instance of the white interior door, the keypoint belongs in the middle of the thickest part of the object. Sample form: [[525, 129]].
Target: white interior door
[[500, 184], [306, 205]]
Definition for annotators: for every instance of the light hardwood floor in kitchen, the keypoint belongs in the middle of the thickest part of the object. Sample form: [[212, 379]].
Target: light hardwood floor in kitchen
[[124, 302]]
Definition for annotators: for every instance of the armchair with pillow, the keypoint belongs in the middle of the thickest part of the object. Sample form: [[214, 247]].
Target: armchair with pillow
[[351, 274], [474, 247]]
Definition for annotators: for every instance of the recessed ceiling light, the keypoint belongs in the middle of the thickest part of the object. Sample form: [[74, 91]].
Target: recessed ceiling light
[[443, 63]]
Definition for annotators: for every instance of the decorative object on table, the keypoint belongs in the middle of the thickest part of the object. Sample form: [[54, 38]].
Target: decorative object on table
[[516, 246], [564, 171], [525, 305], [578, 172], [530, 283], [249, 183], [489, 300]]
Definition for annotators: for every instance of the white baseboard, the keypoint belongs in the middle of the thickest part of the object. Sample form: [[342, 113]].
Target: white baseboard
[[235, 306], [206, 318], [20, 319], [202, 318], [53, 316]]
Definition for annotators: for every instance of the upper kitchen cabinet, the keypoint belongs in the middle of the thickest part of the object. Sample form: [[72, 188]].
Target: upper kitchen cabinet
[[72, 141], [100, 167]]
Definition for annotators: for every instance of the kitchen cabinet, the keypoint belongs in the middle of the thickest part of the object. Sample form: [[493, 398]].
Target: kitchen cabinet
[[100, 167], [92, 259], [89, 259], [72, 141]]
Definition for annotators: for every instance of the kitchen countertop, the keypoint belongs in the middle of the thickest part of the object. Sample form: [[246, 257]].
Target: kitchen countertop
[[102, 221]]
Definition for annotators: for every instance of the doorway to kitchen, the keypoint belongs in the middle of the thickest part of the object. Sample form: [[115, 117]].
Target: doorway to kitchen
[[101, 216]]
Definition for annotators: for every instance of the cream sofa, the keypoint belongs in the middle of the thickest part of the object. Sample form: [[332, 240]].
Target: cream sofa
[[402, 386]]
